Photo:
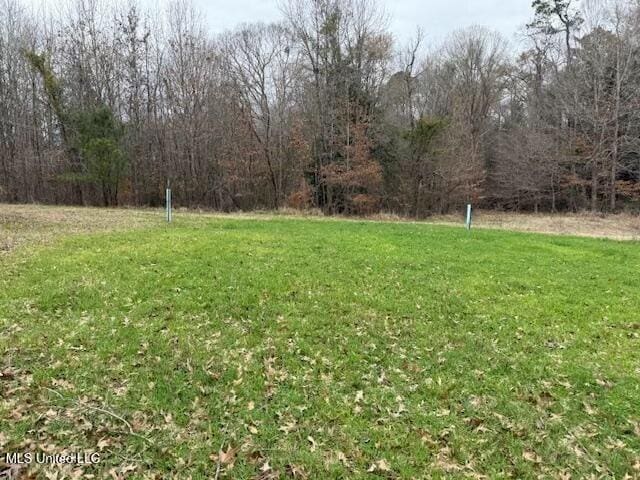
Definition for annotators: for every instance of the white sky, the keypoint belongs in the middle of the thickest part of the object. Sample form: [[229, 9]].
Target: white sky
[[437, 18]]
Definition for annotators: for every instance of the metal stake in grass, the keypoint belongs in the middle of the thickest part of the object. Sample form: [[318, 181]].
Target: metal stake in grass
[[168, 203], [468, 222]]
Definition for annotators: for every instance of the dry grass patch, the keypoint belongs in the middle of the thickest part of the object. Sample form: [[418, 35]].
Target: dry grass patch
[[616, 227], [40, 224], [28, 224]]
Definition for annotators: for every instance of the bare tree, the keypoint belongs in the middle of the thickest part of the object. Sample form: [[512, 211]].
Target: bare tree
[[105, 103]]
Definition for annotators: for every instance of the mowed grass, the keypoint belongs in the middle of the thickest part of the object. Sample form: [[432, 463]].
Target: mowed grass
[[292, 348]]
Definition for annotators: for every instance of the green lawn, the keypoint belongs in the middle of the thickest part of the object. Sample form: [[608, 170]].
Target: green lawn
[[291, 348]]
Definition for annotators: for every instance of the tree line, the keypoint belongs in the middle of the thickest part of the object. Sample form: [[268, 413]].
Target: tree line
[[104, 104]]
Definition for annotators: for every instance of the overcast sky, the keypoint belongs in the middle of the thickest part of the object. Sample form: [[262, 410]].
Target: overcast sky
[[436, 17]]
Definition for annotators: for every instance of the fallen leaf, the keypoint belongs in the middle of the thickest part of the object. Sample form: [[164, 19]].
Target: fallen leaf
[[342, 458], [295, 471], [288, 427], [589, 409], [312, 442], [379, 466], [530, 456], [444, 461], [225, 458], [7, 375], [103, 443]]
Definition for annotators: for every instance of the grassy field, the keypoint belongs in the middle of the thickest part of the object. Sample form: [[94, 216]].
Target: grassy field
[[301, 348]]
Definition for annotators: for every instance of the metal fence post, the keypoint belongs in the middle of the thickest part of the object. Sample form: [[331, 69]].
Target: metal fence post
[[168, 205]]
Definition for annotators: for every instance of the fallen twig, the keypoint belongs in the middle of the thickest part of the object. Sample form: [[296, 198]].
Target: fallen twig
[[102, 410], [218, 464]]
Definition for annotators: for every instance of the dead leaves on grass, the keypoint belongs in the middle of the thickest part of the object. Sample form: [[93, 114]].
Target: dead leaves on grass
[[225, 457], [7, 375], [531, 456], [379, 466], [262, 464], [385, 392]]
